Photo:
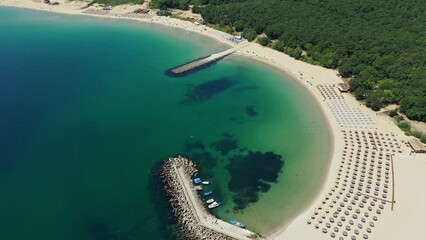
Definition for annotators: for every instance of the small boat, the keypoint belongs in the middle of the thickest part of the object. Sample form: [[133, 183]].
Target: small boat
[[214, 205], [205, 182], [198, 188], [210, 200], [197, 180], [207, 193], [238, 224]]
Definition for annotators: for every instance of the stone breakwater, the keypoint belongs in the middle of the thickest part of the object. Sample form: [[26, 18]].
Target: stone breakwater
[[189, 222]]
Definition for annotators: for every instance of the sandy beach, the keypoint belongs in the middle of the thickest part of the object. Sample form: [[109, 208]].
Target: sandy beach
[[372, 190]]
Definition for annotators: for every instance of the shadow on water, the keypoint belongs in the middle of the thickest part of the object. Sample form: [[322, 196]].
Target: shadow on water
[[207, 90], [167, 226], [159, 200], [100, 231]]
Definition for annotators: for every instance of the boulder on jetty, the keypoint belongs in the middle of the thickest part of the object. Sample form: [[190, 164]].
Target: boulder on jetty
[[188, 223]]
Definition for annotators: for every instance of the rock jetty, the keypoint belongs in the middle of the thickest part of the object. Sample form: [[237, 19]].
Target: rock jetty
[[189, 222], [202, 62]]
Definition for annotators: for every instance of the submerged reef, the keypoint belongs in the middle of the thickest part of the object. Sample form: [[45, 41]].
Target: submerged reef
[[252, 174]]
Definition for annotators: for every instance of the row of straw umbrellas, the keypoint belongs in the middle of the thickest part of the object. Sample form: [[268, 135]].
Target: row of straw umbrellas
[[359, 196]]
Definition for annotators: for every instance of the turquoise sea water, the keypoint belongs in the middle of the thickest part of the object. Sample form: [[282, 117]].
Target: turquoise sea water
[[87, 115]]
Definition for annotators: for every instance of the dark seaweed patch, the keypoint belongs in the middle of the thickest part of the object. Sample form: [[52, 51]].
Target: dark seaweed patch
[[193, 144], [245, 88], [205, 159], [100, 231], [252, 174], [225, 145], [197, 152], [207, 90], [250, 111]]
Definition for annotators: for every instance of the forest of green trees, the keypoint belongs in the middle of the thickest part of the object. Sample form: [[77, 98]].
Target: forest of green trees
[[379, 44], [117, 2]]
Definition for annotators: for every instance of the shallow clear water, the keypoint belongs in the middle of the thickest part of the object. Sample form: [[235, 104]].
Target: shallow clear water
[[88, 114]]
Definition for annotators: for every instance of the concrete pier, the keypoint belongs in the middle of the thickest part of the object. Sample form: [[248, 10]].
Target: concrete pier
[[202, 61], [193, 219]]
